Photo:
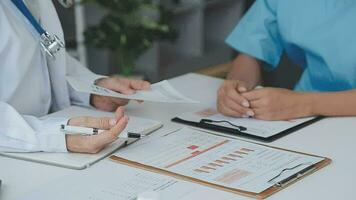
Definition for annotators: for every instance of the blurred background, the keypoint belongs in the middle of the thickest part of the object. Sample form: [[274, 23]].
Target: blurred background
[[159, 39]]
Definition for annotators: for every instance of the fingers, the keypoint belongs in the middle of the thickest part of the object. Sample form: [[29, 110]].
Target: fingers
[[111, 135], [264, 114], [231, 93], [258, 103], [129, 87], [119, 113], [233, 109], [241, 87], [231, 102], [117, 84], [139, 85], [271, 104], [103, 103], [108, 104], [123, 85], [228, 111], [103, 123], [119, 102], [94, 144], [254, 94]]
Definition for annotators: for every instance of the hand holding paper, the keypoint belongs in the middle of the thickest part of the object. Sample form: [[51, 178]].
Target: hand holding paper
[[120, 85], [159, 92]]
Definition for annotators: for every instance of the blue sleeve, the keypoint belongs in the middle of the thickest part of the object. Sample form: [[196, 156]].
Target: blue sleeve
[[257, 33]]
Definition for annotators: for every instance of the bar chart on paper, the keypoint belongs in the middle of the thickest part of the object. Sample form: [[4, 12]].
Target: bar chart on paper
[[227, 162]]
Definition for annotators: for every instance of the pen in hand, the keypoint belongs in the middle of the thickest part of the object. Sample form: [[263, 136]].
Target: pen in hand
[[77, 130]]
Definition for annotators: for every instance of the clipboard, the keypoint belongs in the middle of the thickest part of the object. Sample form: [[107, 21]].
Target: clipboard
[[204, 124], [277, 186]]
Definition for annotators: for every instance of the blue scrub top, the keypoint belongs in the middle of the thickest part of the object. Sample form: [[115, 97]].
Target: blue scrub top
[[318, 35]]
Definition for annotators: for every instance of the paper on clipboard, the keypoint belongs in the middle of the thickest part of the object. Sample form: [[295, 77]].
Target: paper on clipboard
[[160, 92], [221, 161], [260, 128]]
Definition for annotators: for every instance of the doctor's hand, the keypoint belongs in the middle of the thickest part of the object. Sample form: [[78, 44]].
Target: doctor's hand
[[95, 143], [230, 102], [278, 104], [118, 84]]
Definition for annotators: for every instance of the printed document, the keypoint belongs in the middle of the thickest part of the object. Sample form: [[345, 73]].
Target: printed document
[[256, 127], [159, 92], [231, 163], [110, 181]]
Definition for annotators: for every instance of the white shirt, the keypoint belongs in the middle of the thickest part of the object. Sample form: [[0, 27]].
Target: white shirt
[[30, 84]]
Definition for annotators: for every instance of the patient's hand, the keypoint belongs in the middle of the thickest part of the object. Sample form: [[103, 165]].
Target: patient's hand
[[278, 104], [95, 143], [230, 101]]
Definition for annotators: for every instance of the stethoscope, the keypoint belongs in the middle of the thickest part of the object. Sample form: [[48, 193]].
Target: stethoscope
[[51, 44]]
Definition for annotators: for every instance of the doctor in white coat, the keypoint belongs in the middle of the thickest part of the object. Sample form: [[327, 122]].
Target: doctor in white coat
[[33, 85]]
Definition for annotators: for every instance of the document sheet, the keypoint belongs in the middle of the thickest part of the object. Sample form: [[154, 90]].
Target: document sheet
[[159, 92], [256, 127], [110, 181], [231, 163]]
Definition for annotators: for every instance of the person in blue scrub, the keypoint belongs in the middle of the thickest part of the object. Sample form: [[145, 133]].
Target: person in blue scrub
[[318, 35]]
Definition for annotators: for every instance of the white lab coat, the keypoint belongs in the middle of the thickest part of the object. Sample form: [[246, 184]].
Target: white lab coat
[[31, 85]]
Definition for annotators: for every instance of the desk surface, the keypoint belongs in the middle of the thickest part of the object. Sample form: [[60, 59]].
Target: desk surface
[[332, 137]]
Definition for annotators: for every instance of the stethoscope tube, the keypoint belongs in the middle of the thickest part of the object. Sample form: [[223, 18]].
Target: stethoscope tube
[[50, 44]]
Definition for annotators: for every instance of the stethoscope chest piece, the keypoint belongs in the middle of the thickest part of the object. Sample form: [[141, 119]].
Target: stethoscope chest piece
[[51, 44]]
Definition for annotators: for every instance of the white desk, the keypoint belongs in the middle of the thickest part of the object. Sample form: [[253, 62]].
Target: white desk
[[332, 137]]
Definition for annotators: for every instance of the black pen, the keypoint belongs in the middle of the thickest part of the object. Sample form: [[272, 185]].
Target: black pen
[[135, 135]]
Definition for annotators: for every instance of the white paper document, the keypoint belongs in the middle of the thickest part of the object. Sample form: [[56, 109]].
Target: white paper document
[[159, 92], [253, 126], [226, 162], [111, 181]]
